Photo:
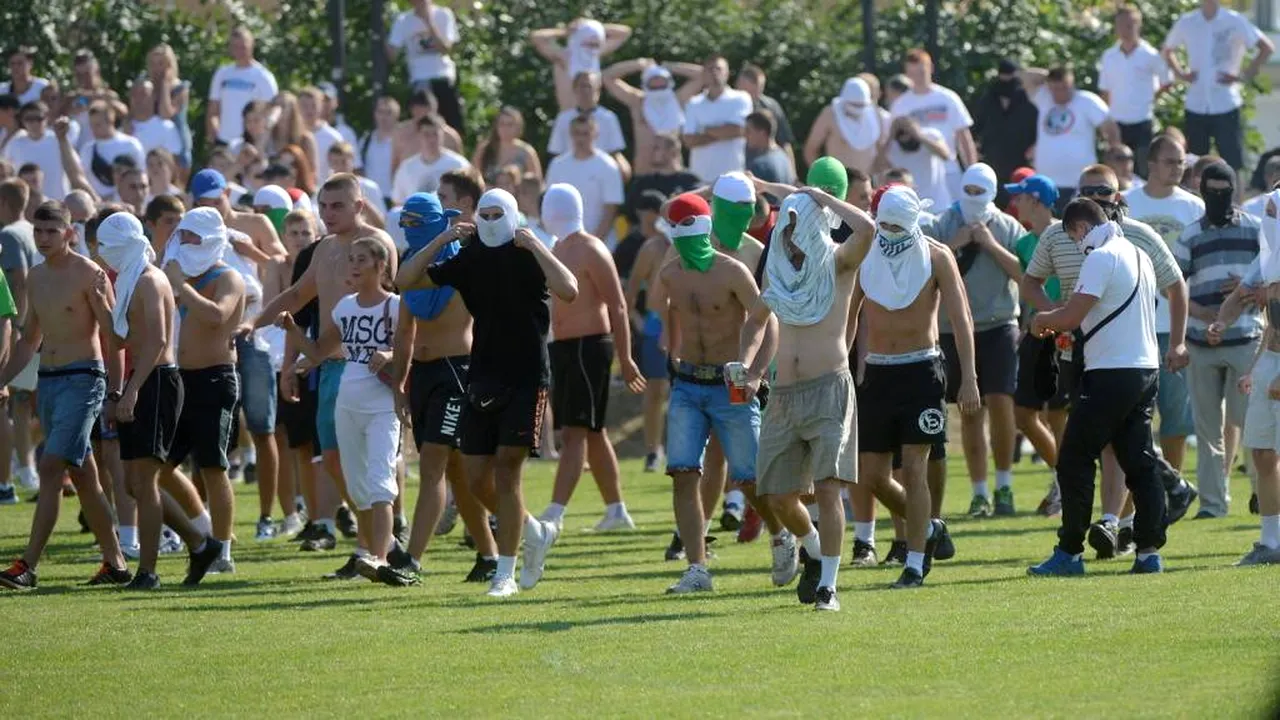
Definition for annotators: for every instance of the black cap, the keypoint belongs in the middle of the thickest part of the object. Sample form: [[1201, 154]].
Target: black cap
[[1007, 66]]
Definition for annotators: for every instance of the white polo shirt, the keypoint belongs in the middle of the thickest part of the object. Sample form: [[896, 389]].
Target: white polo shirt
[[1109, 273], [423, 57], [597, 179], [715, 159], [234, 87], [1213, 46], [1132, 81]]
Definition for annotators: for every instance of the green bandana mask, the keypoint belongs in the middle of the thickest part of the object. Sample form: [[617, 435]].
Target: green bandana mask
[[729, 220], [829, 175], [277, 215], [693, 243]]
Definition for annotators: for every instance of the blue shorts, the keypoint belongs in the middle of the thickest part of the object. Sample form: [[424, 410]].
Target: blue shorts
[[327, 400], [694, 411], [70, 400], [1174, 399], [257, 387], [653, 361]]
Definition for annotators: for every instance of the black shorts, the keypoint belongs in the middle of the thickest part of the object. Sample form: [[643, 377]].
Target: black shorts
[[902, 405], [496, 417], [437, 394], [1025, 396], [581, 369], [155, 417], [937, 451], [995, 353], [210, 403], [299, 418]]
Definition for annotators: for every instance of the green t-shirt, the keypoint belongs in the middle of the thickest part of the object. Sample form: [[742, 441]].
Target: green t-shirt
[[1026, 248], [7, 308]]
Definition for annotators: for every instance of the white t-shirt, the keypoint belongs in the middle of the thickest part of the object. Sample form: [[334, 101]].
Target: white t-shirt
[[1256, 206], [326, 137], [1168, 217], [108, 150], [157, 132], [33, 91], [373, 195], [416, 175], [597, 179], [1066, 135], [927, 169], [939, 108], [44, 153], [425, 62], [1132, 81], [365, 330], [1213, 46], [1128, 341], [608, 138], [376, 161], [235, 87], [715, 159]]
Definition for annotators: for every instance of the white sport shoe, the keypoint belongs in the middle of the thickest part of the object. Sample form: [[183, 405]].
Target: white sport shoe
[[535, 554], [502, 586], [695, 579], [367, 566], [28, 478], [786, 559], [291, 526], [611, 522], [132, 552], [170, 542], [266, 530]]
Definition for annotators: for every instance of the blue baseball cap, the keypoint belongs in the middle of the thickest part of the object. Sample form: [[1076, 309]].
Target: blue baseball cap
[[1044, 189], [208, 184]]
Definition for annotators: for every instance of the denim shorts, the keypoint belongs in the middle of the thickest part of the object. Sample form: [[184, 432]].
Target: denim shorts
[[1174, 400], [257, 387], [70, 400], [694, 411], [653, 361], [327, 400]]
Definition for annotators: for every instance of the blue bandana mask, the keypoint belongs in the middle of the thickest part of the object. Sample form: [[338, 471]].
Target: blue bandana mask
[[422, 219]]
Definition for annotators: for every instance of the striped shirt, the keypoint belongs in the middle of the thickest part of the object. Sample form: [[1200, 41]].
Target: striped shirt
[[1209, 257], [1057, 254]]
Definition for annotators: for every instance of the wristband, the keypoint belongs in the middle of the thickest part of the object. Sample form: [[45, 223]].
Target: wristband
[[115, 395]]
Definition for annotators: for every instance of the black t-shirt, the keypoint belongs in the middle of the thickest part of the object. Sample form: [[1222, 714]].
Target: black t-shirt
[[666, 183], [624, 256], [506, 293], [308, 317]]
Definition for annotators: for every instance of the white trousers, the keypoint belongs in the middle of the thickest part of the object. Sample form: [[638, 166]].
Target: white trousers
[[368, 444]]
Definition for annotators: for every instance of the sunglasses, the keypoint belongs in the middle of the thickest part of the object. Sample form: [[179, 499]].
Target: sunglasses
[[1096, 191], [411, 220]]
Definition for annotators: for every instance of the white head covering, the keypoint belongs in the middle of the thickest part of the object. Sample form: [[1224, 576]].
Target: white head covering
[[206, 223], [734, 187], [1099, 236], [562, 210], [856, 116], [662, 111], [494, 233], [897, 268], [801, 297], [1269, 255], [583, 46], [272, 196], [123, 246], [978, 208]]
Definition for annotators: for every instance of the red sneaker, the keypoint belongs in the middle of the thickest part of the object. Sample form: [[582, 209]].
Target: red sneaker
[[751, 525]]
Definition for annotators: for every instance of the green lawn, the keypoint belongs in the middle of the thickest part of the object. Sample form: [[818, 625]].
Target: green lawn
[[599, 639]]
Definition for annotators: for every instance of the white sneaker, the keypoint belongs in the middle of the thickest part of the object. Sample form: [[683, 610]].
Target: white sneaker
[[367, 566], [610, 523], [545, 517], [786, 559], [266, 530], [502, 586], [170, 542], [132, 552], [535, 554], [221, 566], [28, 478], [291, 526], [695, 579]]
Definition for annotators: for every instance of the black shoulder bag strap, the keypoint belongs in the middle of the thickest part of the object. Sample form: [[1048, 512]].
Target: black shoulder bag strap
[[1125, 306]]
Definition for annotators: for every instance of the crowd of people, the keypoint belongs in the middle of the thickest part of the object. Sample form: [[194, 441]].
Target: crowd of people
[[304, 303]]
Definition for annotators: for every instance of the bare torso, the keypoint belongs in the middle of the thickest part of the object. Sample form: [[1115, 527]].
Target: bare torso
[[1273, 317], [708, 312], [642, 141], [748, 253], [587, 315], [837, 147], [808, 352], [448, 335], [204, 344], [913, 328], [59, 298], [152, 288]]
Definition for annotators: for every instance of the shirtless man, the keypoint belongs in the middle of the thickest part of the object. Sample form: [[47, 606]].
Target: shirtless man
[[656, 107], [70, 299], [586, 331], [903, 394], [326, 279], [143, 322], [653, 361], [708, 293], [435, 330], [586, 42], [211, 300], [849, 129], [809, 422]]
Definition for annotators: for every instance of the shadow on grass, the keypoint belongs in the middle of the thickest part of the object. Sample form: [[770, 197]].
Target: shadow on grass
[[555, 626]]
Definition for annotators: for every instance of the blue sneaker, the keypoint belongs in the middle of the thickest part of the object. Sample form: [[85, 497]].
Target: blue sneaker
[[1059, 564], [1153, 564]]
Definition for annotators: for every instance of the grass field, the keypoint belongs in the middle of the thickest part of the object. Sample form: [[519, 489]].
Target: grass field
[[599, 639]]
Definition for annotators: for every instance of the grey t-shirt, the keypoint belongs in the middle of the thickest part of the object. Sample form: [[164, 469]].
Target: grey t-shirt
[[17, 246], [993, 295]]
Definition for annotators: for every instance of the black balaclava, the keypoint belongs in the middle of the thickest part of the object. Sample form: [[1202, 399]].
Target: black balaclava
[[1218, 208]]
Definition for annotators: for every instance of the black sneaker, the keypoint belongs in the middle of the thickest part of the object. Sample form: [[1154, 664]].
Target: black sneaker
[[108, 575], [19, 576], [8, 496], [1253, 504], [323, 540], [399, 559], [675, 551], [944, 547], [1102, 538], [1124, 541], [84, 524], [482, 571], [400, 531], [897, 554], [308, 532], [345, 520], [198, 563], [1180, 500], [827, 600], [250, 473], [909, 579], [144, 581], [807, 588], [388, 575], [864, 554], [651, 462], [346, 572]]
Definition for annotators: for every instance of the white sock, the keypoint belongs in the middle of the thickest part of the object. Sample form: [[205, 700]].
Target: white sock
[[506, 566], [1110, 519], [735, 497], [532, 527], [362, 553], [980, 489], [1126, 521], [614, 510], [249, 455], [554, 512], [292, 517], [1078, 557], [129, 535], [830, 566], [915, 561], [813, 511], [865, 531], [811, 544], [203, 523], [327, 524], [1004, 479], [299, 502], [1271, 531], [226, 550], [1144, 556]]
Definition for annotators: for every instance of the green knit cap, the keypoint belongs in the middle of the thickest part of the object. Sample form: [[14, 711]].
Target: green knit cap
[[828, 174]]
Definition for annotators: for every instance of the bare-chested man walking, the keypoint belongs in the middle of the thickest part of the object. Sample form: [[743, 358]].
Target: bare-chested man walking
[[70, 299]]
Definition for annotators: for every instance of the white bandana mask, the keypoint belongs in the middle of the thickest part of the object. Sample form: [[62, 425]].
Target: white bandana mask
[[1099, 236], [196, 259], [123, 246], [801, 297], [662, 111], [1269, 255], [856, 117], [583, 47], [899, 265], [495, 233]]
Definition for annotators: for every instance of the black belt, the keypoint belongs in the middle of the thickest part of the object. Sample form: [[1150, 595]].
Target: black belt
[[698, 374], [64, 372]]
